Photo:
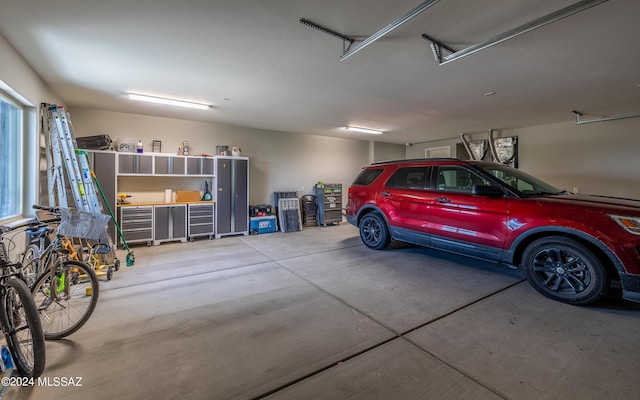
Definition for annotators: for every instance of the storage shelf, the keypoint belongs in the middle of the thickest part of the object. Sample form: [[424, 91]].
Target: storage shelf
[[329, 201]]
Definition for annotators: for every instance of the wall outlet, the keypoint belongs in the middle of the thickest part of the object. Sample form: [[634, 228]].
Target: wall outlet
[[302, 188], [575, 189]]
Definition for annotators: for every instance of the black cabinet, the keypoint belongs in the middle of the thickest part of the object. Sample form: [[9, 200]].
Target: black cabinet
[[232, 196]]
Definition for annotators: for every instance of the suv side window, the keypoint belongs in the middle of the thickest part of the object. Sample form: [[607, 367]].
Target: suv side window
[[367, 176], [457, 179], [409, 178], [513, 181]]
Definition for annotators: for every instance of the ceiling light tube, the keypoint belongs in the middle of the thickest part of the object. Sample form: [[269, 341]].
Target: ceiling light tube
[[363, 130], [171, 102]]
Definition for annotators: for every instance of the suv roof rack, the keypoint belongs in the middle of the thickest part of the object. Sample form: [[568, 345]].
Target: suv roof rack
[[414, 160]]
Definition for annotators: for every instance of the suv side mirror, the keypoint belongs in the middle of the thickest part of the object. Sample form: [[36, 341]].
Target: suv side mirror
[[486, 191]]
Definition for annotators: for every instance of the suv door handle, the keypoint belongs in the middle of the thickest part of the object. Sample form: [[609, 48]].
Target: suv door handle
[[385, 194], [442, 199]]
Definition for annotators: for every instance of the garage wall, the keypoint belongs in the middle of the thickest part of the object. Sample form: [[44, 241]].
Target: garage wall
[[387, 151], [597, 158], [19, 75], [278, 161], [20, 81]]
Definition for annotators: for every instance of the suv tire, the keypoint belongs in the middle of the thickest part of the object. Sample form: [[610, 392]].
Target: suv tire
[[565, 270], [374, 232]]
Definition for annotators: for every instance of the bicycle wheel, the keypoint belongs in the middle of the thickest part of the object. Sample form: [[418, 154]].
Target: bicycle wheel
[[65, 297], [31, 263], [24, 331]]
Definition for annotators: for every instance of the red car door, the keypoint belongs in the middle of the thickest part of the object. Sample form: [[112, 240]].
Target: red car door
[[404, 199], [462, 222]]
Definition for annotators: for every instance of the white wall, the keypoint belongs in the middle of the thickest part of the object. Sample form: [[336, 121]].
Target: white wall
[[278, 161], [21, 82], [19, 75], [387, 151], [598, 158]]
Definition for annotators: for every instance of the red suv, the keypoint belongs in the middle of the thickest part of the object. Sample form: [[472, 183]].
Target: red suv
[[569, 246]]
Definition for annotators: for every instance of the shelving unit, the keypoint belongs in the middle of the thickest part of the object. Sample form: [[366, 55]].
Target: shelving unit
[[227, 215], [118, 170], [329, 200]]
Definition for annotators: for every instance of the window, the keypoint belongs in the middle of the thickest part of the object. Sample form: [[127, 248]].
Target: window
[[367, 176], [409, 178], [520, 181], [11, 135], [457, 179]]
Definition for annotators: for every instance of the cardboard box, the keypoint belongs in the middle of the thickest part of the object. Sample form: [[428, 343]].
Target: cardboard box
[[187, 196]]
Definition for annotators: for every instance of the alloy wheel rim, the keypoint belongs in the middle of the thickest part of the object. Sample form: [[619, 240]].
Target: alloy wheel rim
[[372, 232], [561, 272]]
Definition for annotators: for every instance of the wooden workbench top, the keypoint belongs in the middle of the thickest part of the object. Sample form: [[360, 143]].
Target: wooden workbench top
[[165, 204]]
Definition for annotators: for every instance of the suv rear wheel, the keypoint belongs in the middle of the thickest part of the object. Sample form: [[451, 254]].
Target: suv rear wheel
[[374, 232], [564, 270]]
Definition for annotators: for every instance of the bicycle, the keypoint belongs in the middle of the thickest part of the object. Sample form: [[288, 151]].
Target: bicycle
[[67, 290], [39, 237], [19, 317], [41, 233]]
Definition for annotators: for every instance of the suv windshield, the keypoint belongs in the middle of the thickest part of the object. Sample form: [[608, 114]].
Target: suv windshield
[[519, 181]]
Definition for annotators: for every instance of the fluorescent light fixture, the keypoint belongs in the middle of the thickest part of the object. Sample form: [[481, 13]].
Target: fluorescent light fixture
[[363, 130], [171, 102]]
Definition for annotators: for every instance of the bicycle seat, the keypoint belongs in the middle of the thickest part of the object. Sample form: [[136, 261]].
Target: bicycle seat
[[39, 231], [101, 248]]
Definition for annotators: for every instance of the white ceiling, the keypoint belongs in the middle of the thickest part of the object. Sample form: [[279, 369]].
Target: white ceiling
[[260, 67]]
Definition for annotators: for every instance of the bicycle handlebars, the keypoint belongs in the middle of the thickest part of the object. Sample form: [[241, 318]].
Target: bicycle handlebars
[[54, 210]]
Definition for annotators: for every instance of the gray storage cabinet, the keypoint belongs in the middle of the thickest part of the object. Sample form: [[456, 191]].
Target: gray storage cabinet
[[169, 165], [200, 165], [232, 196], [136, 223], [133, 164], [170, 223], [104, 166], [201, 220]]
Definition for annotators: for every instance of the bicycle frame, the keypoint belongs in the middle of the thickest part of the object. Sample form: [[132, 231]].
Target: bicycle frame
[[8, 269], [62, 249]]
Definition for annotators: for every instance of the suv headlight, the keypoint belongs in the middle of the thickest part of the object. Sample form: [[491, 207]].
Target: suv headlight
[[630, 224]]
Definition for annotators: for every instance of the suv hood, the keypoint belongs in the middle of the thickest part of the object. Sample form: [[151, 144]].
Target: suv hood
[[614, 204]]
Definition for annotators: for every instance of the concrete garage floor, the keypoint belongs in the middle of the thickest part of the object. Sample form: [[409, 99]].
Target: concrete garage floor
[[316, 315]]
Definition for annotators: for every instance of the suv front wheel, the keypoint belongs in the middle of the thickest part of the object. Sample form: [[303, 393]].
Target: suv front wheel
[[374, 232], [565, 270]]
